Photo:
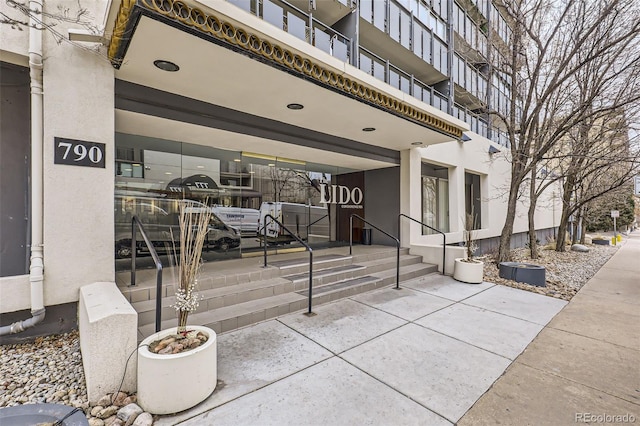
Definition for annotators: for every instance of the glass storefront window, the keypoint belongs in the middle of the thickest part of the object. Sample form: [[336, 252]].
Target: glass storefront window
[[152, 175]]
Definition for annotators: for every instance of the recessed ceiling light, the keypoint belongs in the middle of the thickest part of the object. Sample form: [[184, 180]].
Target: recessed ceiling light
[[166, 65], [237, 160], [271, 165], [252, 172], [200, 167], [416, 143], [369, 129], [168, 173], [128, 170], [295, 106]]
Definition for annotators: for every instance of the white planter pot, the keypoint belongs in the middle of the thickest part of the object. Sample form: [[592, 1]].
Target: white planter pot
[[172, 383], [468, 272]]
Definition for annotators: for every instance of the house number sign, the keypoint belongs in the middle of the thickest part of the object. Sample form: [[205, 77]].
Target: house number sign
[[79, 153]]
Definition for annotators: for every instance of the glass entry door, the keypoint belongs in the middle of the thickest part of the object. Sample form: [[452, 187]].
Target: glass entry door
[[291, 194]]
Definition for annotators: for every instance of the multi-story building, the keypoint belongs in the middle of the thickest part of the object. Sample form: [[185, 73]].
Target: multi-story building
[[377, 107]]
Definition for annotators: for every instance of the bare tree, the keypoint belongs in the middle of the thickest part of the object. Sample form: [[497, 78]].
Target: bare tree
[[551, 43]]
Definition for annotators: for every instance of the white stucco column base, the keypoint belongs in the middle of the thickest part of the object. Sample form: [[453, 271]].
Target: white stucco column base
[[108, 336]]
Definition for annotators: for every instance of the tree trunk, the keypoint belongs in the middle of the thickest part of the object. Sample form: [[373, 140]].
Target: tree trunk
[[567, 190], [504, 249], [533, 241]]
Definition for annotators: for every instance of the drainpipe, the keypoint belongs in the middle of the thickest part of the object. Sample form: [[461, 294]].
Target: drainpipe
[[36, 268]]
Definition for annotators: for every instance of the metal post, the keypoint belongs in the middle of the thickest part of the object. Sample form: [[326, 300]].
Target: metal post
[[158, 297], [350, 234], [398, 268], [310, 281], [444, 251], [264, 240], [133, 251], [615, 232]]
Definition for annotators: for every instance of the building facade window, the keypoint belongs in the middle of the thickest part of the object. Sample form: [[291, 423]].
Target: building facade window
[[473, 198], [435, 198]]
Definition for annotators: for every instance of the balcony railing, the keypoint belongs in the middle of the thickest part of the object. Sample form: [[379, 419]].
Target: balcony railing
[[383, 70], [300, 24]]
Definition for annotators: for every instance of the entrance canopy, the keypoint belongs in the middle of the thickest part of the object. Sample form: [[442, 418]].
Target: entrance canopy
[[237, 75]]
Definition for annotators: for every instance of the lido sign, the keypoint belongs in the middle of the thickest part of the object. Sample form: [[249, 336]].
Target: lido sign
[[340, 194]]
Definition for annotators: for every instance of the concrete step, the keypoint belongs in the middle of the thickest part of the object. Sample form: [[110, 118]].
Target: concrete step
[[216, 298], [234, 296], [325, 276], [239, 315]]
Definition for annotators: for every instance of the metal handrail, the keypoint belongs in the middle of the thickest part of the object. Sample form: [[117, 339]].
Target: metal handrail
[[385, 233], [313, 223], [444, 237], [309, 249], [135, 221]]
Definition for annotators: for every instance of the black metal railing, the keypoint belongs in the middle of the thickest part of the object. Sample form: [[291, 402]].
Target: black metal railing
[[385, 233], [309, 249], [134, 248], [444, 237]]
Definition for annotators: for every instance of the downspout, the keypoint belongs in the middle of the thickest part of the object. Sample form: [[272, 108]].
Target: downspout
[[36, 268]]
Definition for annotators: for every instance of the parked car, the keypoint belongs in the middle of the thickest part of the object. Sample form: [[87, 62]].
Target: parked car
[[160, 219]]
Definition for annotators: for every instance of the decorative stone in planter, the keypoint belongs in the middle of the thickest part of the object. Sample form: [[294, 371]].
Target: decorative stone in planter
[[523, 273], [171, 383], [468, 271]]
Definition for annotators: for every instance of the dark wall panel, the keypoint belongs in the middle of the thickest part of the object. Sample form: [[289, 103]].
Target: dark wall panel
[[14, 172], [382, 197]]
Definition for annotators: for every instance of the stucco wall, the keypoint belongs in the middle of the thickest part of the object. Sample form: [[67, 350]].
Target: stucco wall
[[494, 170], [78, 201]]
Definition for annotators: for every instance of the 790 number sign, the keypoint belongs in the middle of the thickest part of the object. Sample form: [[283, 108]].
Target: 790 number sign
[[79, 153]]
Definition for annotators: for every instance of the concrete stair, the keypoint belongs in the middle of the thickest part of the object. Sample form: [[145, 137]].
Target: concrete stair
[[245, 293]]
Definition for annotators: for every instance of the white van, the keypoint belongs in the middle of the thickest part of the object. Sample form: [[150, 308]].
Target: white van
[[246, 220], [301, 219]]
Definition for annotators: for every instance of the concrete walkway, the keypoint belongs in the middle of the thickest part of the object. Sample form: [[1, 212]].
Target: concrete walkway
[[420, 355], [584, 367]]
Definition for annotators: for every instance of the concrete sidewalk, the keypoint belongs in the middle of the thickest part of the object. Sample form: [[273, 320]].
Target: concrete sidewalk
[[420, 355], [584, 367]]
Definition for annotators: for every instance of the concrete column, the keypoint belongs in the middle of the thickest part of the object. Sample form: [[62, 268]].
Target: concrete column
[[410, 194], [78, 201]]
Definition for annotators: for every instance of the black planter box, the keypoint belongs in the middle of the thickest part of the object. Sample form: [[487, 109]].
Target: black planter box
[[524, 273]]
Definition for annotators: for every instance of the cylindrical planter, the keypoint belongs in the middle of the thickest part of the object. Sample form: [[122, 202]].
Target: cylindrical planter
[[172, 383], [468, 272]]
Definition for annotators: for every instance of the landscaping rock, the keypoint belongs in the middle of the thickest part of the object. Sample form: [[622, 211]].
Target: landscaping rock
[[580, 248], [144, 419], [128, 413]]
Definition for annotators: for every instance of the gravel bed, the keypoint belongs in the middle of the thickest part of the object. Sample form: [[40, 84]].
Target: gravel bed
[[566, 272]]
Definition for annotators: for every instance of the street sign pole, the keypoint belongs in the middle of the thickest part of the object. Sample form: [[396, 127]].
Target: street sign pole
[[615, 214]]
